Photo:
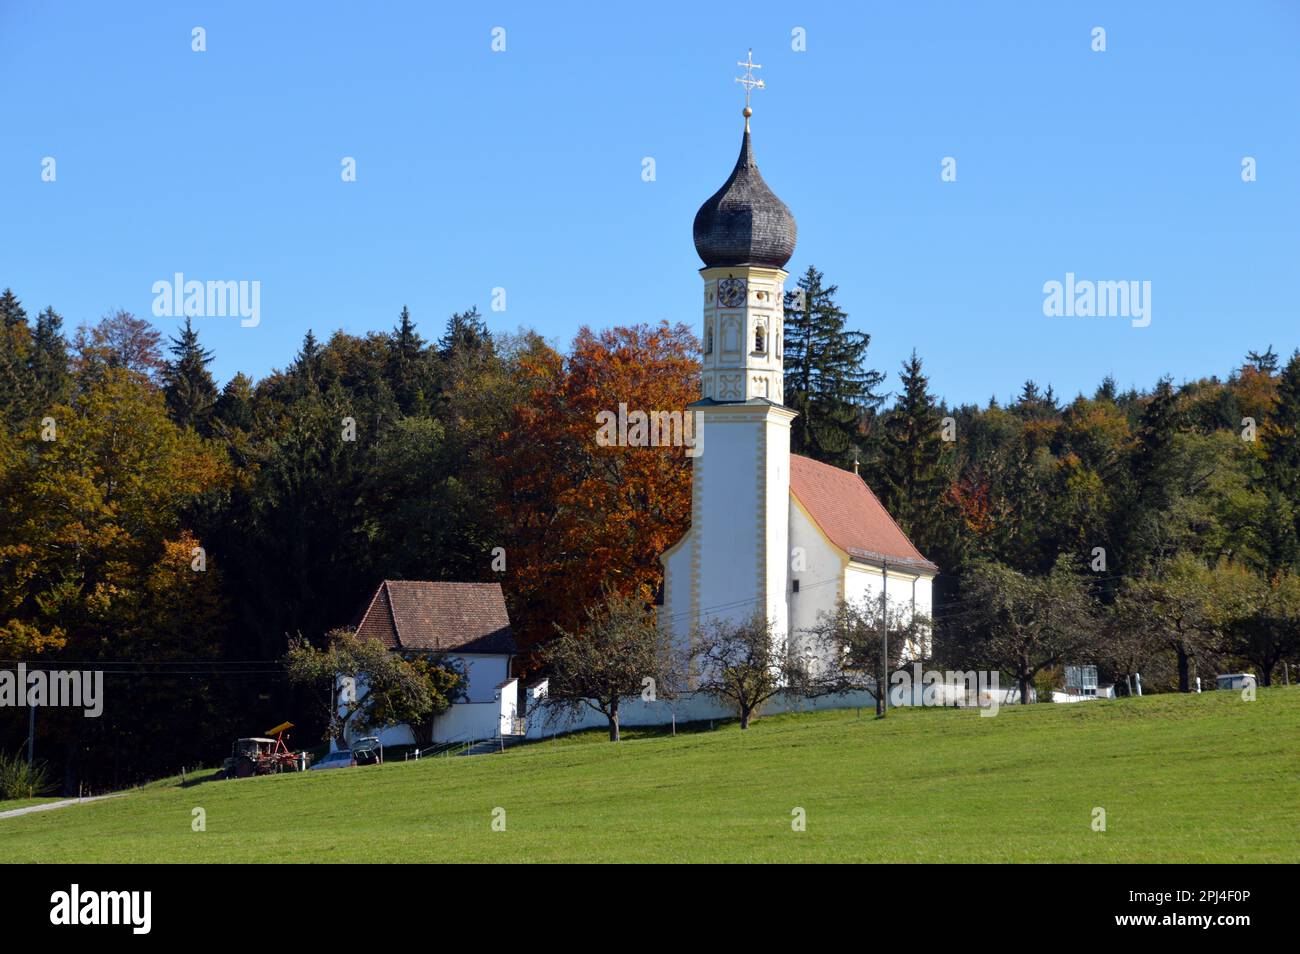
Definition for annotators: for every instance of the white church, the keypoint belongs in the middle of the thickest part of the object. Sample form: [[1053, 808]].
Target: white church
[[769, 528]]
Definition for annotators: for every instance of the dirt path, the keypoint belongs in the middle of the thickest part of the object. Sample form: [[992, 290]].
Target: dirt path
[[15, 812]]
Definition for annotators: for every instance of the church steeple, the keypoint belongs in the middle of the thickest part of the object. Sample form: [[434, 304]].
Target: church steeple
[[744, 223], [735, 559], [744, 235]]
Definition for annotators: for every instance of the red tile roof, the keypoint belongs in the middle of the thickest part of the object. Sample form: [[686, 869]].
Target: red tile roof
[[438, 617], [846, 510]]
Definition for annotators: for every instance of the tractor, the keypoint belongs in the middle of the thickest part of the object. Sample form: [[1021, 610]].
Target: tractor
[[258, 755]]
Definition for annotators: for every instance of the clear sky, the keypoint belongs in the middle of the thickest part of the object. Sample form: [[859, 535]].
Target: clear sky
[[522, 169]]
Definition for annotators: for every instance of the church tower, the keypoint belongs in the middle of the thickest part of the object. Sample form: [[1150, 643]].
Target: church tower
[[744, 234], [735, 558]]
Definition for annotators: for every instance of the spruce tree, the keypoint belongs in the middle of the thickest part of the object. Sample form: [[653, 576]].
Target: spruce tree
[[466, 336], [187, 383], [1034, 404], [911, 475], [307, 364], [1150, 492], [1281, 440], [1264, 361], [234, 408], [12, 312], [407, 364], [826, 379], [1282, 433], [16, 383], [49, 359]]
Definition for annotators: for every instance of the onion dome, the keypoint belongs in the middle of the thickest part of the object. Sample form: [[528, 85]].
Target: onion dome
[[744, 223]]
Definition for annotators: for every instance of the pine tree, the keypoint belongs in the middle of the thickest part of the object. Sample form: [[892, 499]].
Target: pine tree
[[1264, 362], [307, 365], [466, 336], [49, 360], [1281, 440], [234, 408], [1139, 522], [407, 364], [1157, 425], [826, 380], [406, 340], [1282, 433], [16, 383], [1034, 404], [187, 383], [910, 476]]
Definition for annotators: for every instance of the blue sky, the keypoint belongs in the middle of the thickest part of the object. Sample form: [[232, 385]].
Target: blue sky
[[522, 169]]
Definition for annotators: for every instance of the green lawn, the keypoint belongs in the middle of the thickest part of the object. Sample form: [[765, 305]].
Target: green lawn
[[1181, 778]]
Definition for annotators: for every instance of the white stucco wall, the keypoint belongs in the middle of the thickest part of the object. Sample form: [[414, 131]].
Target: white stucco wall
[[691, 707], [734, 559], [907, 589], [485, 710], [818, 566], [675, 614], [829, 575], [485, 672]]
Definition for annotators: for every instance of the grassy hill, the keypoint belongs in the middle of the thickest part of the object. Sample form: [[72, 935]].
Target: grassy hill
[[1182, 778]]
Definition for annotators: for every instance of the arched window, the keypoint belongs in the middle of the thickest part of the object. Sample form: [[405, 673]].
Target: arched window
[[708, 339], [760, 339], [778, 346]]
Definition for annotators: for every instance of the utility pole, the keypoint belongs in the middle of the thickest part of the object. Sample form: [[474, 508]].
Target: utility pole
[[884, 638]]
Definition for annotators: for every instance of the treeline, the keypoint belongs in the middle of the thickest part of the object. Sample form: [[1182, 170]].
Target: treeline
[[1153, 533], [1148, 532], [177, 534]]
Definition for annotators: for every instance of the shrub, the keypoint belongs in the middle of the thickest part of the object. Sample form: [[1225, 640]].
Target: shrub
[[20, 780]]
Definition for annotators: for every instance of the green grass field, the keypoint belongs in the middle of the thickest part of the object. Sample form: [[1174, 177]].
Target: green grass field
[[1181, 778]]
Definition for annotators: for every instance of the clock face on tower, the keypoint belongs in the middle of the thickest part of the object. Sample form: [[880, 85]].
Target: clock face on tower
[[731, 293]]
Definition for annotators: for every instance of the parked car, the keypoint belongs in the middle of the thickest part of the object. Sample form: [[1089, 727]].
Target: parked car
[[368, 751], [343, 758], [1234, 680]]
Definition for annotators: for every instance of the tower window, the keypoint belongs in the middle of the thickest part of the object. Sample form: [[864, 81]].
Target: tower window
[[708, 339], [760, 339], [778, 345], [796, 585]]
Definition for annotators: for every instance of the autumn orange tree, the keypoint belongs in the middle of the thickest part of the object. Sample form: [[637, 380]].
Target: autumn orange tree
[[583, 515], [97, 564]]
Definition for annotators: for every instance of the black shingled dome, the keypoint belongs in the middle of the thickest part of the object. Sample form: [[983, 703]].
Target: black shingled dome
[[743, 223]]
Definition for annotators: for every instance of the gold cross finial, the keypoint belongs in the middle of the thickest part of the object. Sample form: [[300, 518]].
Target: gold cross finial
[[748, 80]]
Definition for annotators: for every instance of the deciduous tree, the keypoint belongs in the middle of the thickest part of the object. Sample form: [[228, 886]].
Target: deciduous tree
[[616, 653]]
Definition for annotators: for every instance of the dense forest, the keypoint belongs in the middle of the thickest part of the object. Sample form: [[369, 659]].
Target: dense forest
[[176, 534]]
